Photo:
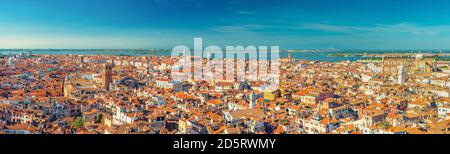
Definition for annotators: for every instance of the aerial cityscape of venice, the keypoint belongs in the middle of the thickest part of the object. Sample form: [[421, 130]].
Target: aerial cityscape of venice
[[136, 68]]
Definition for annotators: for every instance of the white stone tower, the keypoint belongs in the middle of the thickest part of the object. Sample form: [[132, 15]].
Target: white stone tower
[[252, 101], [401, 75]]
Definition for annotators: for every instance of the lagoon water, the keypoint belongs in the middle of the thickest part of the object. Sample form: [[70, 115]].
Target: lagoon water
[[320, 56]]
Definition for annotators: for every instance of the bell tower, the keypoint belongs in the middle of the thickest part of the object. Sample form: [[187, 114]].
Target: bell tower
[[107, 76]]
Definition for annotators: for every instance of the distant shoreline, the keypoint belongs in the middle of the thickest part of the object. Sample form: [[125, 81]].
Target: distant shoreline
[[99, 50], [347, 55]]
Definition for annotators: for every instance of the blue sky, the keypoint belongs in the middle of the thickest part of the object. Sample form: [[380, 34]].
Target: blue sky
[[342, 24]]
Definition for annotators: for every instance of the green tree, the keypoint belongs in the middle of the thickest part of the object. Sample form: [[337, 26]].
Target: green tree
[[79, 122], [99, 118]]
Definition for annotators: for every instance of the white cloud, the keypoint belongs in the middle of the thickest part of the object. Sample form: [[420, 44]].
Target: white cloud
[[246, 13], [380, 28], [239, 28], [329, 27]]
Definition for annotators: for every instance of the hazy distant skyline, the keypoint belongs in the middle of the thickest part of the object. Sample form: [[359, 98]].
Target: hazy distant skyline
[[348, 24]]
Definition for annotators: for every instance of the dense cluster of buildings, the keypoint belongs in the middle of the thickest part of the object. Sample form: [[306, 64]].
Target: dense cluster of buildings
[[102, 94]]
